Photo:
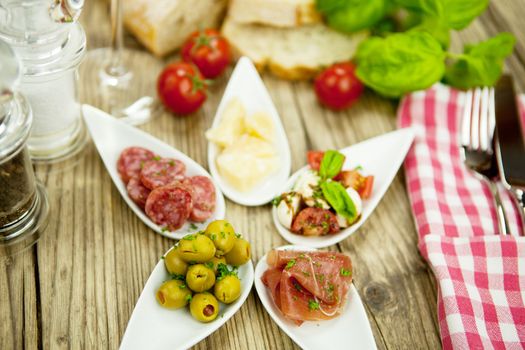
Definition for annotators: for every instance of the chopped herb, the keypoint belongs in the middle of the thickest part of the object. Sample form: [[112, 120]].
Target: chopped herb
[[157, 158], [276, 201], [193, 226], [188, 298], [178, 277], [164, 229], [313, 305], [297, 286], [238, 235], [320, 277], [332, 257], [209, 264], [171, 163], [324, 224], [318, 204], [223, 271], [223, 235], [307, 274], [192, 262], [213, 236], [182, 286], [302, 256], [226, 224], [189, 237], [162, 257], [194, 247], [141, 164], [326, 216], [330, 288], [359, 167], [295, 297], [290, 264], [345, 272]]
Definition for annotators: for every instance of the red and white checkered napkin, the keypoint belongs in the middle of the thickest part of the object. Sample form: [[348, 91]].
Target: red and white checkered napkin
[[481, 275]]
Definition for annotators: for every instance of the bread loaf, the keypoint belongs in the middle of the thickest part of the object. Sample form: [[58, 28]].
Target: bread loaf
[[279, 13], [291, 53], [163, 25]]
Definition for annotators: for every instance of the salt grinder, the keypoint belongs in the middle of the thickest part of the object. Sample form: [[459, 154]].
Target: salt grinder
[[50, 43], [23, 201]]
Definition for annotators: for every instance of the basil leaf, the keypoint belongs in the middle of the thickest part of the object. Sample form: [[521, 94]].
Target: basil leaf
[[429, 7], [352, 15], [481, 64], [436, 27], [336, 195], [459, 13], [400, 63], [331, 164]]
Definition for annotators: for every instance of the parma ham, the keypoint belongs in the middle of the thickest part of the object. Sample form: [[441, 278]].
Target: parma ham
[[308, 286]]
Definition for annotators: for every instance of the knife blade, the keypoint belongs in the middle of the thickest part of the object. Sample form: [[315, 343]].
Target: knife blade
[[510, 145]]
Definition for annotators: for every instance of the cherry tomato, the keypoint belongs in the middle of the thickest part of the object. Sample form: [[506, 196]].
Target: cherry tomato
[[209, 51], [314, 159], [337, 87], [181, 88], [366, 189]]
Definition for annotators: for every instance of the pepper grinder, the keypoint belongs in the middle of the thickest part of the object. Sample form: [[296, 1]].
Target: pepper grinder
[[50, 44], [23, 201]]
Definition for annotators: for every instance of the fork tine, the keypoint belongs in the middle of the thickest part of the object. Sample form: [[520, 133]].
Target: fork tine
[[484, 137], [474, 131], [491, 117], [467, 114]]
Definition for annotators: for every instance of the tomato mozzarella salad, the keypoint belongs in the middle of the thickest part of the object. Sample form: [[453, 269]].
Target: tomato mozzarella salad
[[325, 198]]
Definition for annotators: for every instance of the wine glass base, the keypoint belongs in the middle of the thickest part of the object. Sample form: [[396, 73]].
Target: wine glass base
[[126, 91]]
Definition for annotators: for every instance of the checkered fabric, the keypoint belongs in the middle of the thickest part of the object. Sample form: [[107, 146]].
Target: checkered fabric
[[481, 275]]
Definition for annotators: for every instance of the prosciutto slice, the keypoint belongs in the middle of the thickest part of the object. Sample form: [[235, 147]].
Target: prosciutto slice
[[308, 286]]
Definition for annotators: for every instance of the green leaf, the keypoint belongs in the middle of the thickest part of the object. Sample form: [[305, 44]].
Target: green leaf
[[331, 164], [339, 199], [459, 13], [429, 7], [481, 64], [352, 15], [400, 63], [436, 27]]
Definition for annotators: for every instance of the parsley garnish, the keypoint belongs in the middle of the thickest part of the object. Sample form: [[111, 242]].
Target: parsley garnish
[[223, 271], [209, 264], [188, 298], [189, 237], [182, 286], [345, 272], [307, 274], [297, 286], [290, 264], [178, 277], [238, 235], [313, 305], [157, 158], [213, 236], [193, 226]]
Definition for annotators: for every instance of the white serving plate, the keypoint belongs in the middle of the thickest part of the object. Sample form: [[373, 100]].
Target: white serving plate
[[111, 136], [246, 85], [350, 330], [153, 327], [380, 156]]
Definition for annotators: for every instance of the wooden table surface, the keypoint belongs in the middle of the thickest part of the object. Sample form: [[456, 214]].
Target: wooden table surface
[[77, 287]]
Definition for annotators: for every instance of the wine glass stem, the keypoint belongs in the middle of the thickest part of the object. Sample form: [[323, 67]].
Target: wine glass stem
[[116, 66]]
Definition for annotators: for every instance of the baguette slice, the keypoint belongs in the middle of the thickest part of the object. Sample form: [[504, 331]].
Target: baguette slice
[[278, 13], [163, 25], [291, 53]]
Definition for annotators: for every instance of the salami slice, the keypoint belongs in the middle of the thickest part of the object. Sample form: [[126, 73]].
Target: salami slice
[[169, 206], [130, 161], [203, 198], [137, 191], [162, 172], [315, 222]]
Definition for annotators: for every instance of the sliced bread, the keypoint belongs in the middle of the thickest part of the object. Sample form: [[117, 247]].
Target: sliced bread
[[279, 13], [163, 25], [291, 53]]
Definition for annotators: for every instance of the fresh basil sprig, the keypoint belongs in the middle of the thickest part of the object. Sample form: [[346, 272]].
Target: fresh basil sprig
[[331, 164], [336, 195], [352, 15]]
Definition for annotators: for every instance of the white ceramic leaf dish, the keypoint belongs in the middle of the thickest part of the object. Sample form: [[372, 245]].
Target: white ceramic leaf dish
[[156, 328], [381, 157], [351, 329], [111, 136], [246, 85]]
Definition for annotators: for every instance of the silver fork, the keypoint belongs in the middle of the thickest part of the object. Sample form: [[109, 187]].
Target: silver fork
[[477, 133]]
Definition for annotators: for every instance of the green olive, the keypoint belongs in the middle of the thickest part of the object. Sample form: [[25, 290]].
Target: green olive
[[196, 248], [214, 263], [173, 294], [228, 289], [204, 307], [240, 253], [222, 234], [200, 278], [174, 263]]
